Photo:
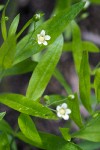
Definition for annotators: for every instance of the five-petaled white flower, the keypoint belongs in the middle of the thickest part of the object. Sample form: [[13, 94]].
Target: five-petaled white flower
[[63, 111], [42, 38]]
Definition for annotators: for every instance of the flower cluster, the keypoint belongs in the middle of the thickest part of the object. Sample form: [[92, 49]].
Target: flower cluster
[[63, 111]]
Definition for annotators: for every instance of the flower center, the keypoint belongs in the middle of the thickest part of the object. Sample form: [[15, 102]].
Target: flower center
[[41, 38], [62, 111]]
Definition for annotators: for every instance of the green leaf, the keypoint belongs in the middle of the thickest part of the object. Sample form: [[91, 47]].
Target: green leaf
[[91, 131], [3, 23], [87, 145], [84, 81], [90, 47], [7, 52], [76, 48], [4, 142], [53, 27], [14, 25], [57, 74], [26, 106], [97, 84], [2, 115], [21, 68], [28, 128], [73, 104], [65, 133], [44, 70], [50, 141], [5, 127]]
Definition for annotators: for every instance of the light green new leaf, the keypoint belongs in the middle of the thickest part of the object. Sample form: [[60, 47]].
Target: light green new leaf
[[21, 68], [28, 128], [44, 70], [95, 1], [65, 133], [3, 22], [2, 115], [5, 127], [53, 27], [97, 84], [7, 52], [50, 141], [26, 106], [57, 74], [4, 142], [14, 25], [91, 131], [84, 81]]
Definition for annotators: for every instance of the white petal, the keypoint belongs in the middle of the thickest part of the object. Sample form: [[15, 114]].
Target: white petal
[[68, 111], [64, 105], [39, 42], [59, 115], [38, 35], [58, 108], [42, 33], [45, 43], [47, 37], [65, 117]]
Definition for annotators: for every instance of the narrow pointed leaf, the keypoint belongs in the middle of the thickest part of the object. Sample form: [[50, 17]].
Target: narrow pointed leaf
[[44, 70], [26, 106], [84, 82], [28, 128], [2, 115], [14, 26], [7, 52], [97, 84]]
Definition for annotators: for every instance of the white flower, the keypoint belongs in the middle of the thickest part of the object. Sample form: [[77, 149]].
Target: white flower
[[42, 38], [63, 111], [71, 96]]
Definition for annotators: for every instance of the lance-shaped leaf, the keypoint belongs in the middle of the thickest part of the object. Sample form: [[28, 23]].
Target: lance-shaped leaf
[[91, 131], [2, 115], [23, 67], [26, 106], [97, 84], [53, 27], [44, 70], [28, 128], [14, 25], [3, 22], [76, 45], [84, 81], [7, 52]]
